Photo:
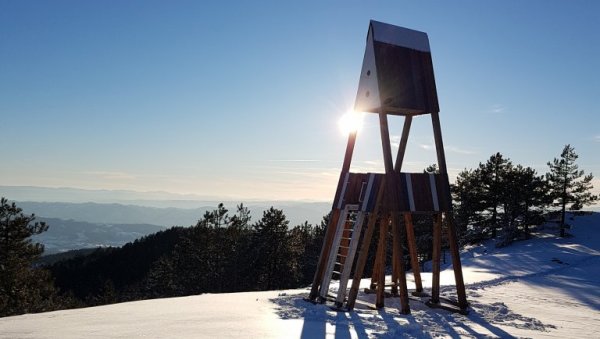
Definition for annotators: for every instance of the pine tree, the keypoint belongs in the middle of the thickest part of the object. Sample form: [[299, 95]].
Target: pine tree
[[467, 195], [273, 264], [494, 178], [527, 198], [568, 184], [23, 288]]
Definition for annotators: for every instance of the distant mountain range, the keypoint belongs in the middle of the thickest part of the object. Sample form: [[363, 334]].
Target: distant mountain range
[[68, 194], [91, 212], [156, 208], [89, 218]]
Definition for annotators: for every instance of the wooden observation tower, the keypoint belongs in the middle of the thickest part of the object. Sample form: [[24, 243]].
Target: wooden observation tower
[[396, 78]]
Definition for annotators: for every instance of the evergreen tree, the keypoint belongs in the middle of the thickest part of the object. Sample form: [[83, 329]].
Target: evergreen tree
[[23, 288], [568, 184], [526, 199], [494, 179], [273, 263], [237, 235], [305, 246], [498, 194], [467, 195]]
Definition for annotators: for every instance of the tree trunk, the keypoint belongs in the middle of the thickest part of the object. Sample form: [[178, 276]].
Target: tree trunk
[[564, 205]]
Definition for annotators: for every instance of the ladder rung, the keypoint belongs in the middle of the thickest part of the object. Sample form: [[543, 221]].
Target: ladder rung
[[346, 238], [346, 247], [336, 272], [342, 256]]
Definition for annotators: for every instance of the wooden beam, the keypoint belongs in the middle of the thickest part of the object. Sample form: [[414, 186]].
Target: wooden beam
[[396, 255], [456, 264], [403, 143], [324, 255], [345, 166], [412, 250], [380, 259], [379, 267], [401, 278], [439, 144], [385, 143], [452, 236], [335, 213], [435, 260]]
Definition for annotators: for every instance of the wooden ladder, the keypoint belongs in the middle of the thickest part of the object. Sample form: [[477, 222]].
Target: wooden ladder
[[343, 251]]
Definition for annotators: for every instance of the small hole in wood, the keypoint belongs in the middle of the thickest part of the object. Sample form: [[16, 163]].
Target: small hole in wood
[[367, 94], [368, 72]]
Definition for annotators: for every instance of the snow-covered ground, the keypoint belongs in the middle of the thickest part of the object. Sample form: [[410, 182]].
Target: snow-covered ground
[[544, 287]]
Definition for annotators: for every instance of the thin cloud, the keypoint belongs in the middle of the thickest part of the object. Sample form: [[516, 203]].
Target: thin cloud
[[427, 147], [111, 175], [596, 138], [497, 109], [460, 150], [395, 140]]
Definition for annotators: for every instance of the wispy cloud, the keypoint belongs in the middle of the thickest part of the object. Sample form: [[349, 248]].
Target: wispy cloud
[[596, 138], [111, 175], [497, 108], [427, 147], [460, 150], [395, 140]]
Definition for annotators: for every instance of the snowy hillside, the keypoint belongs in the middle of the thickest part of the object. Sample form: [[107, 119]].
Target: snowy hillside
[[544, 287]]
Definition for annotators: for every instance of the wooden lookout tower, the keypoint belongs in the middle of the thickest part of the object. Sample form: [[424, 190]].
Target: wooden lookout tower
[[396, 79]]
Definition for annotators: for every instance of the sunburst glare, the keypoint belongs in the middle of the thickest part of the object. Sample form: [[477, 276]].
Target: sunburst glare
[[351, 122]]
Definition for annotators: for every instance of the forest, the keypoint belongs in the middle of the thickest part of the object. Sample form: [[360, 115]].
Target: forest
[[226, 251]]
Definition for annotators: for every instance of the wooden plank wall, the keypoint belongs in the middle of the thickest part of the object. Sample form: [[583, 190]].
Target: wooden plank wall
[[416, 192]]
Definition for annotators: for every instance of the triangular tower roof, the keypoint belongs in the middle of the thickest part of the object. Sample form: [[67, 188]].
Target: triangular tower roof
[[397, 73]]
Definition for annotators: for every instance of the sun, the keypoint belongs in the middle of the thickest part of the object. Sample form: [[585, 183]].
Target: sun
[[351, 122]]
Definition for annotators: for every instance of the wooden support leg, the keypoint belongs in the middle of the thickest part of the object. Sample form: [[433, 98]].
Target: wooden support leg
[[412, 249], [390, 192], [396, 255], [404, 305], [330, 232], [456, 264], [324, 256], [381, 249], [435, 261], [361, 261], [378, 254]]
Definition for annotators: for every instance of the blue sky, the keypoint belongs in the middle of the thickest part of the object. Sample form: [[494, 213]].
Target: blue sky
[[241, 99]]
